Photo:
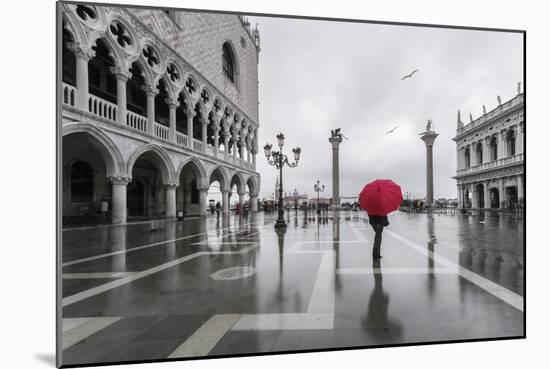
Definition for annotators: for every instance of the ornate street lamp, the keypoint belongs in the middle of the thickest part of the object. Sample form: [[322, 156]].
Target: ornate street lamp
[[318, 188], [278, 160]]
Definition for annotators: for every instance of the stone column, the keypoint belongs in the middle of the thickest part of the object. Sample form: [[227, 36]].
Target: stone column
[[502, 145], [487, 195], [82, 54], [118, 200], [151, 93], [254, 202], [171, 199], [241, 199], [122, 76], [459, 196], [458, 159], [225, 200], [335, 142], [203, 192], [487, 150], [216, 125], [474, 195], [190, 113], [429, 137], [204, 122], [234, 137], [501, 195], [226, 144], [172, 106]]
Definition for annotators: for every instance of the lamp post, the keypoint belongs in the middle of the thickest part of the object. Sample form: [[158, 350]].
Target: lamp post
[[278, 160], [318, 188]]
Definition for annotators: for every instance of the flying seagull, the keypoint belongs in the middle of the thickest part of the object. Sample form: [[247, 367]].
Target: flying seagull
[[391, 130], [410, 75]]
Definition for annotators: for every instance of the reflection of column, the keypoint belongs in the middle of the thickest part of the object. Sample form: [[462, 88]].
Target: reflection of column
[[118, 241], [122, 77], [501, 195], [486, 196], [225, 200], [171, 200], [119, 185], [203, 191], [82, 55], [151, 93]]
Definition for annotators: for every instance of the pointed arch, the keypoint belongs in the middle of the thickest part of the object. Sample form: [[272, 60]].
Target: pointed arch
[[114, 162], [220, 174], [199, 168], [238, 179], [161, 158], [253, 185]]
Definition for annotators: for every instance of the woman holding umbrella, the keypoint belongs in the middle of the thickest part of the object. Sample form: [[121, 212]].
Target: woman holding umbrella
[[379, 198]]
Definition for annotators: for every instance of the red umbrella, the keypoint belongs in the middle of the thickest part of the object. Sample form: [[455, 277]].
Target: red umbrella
[[380, 197]]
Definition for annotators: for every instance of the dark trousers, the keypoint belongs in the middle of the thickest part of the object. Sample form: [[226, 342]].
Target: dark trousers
[[378, 228]]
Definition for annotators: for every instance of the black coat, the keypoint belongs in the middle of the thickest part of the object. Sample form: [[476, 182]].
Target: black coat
[[379, 219]]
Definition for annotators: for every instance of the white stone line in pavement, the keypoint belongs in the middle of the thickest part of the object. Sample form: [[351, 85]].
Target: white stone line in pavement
[[84, 330], [219, 242], [138, 275], [495, 289], [96, 275], [70, 323], [125, 251], [386, 270], [206, 337], [322, 297], [284, 321]]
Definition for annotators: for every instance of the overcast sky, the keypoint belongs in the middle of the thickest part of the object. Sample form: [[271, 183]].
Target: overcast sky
[[315, 76]]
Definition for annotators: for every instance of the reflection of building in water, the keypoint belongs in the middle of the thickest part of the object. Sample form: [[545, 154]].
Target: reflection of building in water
[[150, 122], [490, 157]]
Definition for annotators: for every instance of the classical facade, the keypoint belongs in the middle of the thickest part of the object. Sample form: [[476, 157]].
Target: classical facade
[[490, 157], [156, 107]]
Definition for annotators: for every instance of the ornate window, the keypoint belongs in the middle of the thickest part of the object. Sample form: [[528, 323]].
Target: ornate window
[[479, 153], [228, 62], [511, 142], [82, 182]]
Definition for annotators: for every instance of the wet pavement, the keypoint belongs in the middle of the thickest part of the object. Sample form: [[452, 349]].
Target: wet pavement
[[174, 289]]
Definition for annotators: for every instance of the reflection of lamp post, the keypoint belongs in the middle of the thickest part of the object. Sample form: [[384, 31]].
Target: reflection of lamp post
[[318, 188], [278, 161]]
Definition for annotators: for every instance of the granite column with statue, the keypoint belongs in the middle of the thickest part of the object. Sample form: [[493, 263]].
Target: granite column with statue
[[429, 137]]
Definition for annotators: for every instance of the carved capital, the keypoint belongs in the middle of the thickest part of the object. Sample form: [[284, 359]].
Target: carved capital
[[81, 51], [150, 91], [171, 185], [171, 102], [121, 73], [120, 180]]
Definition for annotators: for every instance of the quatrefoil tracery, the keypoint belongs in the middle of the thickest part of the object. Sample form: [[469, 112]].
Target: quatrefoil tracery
[[121, 34], [151, 56], [85, 12]]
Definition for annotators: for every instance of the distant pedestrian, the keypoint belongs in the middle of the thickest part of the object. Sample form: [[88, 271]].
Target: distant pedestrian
[[218, 209], [378, 222], [104, 209]]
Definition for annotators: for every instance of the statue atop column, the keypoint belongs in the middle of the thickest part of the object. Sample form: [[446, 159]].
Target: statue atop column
[[429, 124]]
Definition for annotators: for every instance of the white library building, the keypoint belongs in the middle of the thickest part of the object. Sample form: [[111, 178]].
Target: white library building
[[490, 157]]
